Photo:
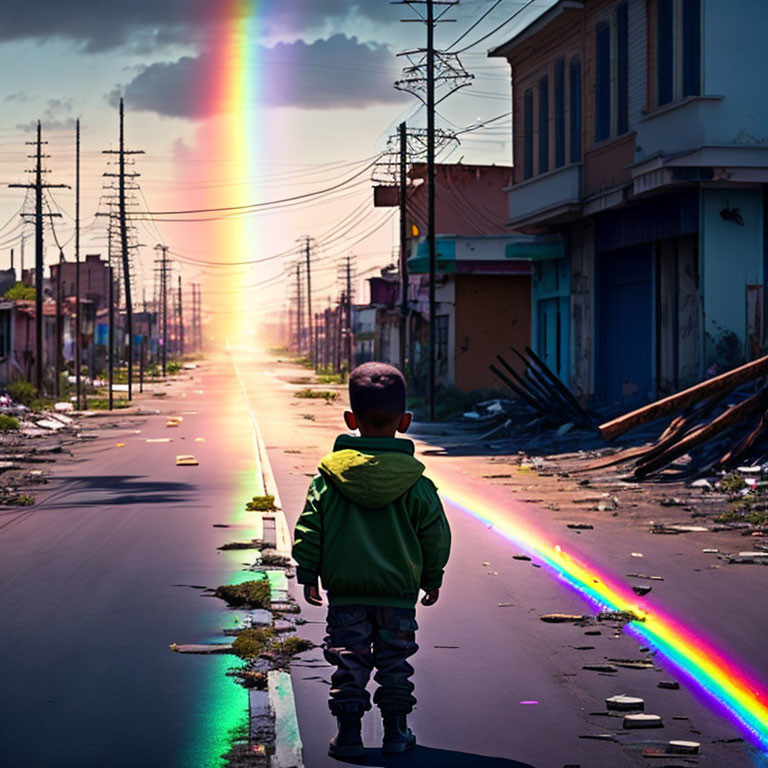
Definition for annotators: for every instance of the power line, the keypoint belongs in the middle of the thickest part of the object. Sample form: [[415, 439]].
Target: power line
[[255, 206], [503, 24]]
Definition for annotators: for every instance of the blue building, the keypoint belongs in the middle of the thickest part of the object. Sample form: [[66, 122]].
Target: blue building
[[641, 136]]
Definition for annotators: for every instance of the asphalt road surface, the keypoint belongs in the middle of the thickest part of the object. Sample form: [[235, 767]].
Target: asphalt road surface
[[104, 572]]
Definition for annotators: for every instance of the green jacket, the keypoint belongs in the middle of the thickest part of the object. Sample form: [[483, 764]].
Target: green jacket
[[373, 527]]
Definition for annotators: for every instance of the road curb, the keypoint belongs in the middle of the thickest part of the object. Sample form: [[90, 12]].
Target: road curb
[[288, 746]]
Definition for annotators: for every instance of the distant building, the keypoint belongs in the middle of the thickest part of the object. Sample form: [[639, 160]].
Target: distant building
[[94, 279]]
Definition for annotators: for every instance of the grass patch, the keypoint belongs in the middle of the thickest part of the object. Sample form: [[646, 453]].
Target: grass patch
[[732, 483], [8, 423], [290, 646], [757, 515], [251, 643], [317, 394], [102, 403], [261, 504], [24, 500], [330, 378], [252, 594], [22, 392]]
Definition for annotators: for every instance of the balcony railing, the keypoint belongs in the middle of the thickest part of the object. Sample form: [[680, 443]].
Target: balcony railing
[[552, 196]]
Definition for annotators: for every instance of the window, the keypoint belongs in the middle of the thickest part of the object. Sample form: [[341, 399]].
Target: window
[[691, 48], [559, 113], [543, 125], [602, 81], [678, 54], [665, 54], [575, 110], [528, 138], [622, 67]]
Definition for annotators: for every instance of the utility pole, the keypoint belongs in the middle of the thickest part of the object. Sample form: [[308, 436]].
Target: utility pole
[[78, 318], [164, 299], [349, 315], [123, 220], [181, 319], [299, 310], [59, 326], [148, 316], [423, 86], [431, 203], [317, 343], [309, 296], [403, 246], [111, 336], [38, 186]]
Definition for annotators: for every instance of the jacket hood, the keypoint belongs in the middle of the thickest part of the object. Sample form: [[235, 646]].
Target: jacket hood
[[371, 479]]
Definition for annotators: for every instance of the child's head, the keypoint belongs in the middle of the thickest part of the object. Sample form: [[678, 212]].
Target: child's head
[[377, 398]]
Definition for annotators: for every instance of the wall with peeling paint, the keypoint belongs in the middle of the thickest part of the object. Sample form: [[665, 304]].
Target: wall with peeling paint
[[582, 255], [731, 260]]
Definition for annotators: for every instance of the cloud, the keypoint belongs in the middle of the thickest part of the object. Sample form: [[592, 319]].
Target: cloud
[[18, 97], [339, 72], [55, 118], [150, 24]]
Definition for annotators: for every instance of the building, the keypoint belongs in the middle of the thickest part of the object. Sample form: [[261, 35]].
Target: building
[[94, 279], [638, 137], [484, 272]]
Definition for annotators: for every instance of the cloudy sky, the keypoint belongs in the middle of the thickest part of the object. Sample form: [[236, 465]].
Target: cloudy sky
[[326, 103]]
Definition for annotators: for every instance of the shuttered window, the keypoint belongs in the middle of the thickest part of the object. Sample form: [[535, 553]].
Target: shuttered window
[[559, 113], [543, 125], [622, 90], [665, 57], [575, 109], [691, 47], [528, 137], [602, 81]]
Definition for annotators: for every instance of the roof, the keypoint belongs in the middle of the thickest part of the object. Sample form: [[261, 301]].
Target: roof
[[535, 25]]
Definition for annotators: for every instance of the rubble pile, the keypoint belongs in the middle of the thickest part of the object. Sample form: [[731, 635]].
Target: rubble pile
[[541, 391], [716, 425]]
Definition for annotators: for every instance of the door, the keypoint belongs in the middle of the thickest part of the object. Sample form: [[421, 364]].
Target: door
[[625, 326]]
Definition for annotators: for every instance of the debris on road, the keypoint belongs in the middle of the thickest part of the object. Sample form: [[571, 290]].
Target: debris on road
[[670, 685], [581, 526], [623, 703], [643, 721], [186, 460], [600, 668], [560, 618], [202, 648]]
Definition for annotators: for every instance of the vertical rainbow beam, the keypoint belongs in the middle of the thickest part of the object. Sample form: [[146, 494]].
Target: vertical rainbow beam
[[233, 148], [722, 680]]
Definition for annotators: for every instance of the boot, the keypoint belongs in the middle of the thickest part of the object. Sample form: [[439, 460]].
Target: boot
[[398, 737], [348, 741]]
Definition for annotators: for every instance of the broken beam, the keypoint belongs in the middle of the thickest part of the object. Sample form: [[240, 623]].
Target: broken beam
[[711, 387]]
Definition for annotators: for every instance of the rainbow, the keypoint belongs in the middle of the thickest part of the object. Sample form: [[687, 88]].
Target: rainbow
[[722, 681], [230, 148]]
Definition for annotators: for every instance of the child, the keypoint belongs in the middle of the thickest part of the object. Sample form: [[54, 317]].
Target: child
[[374, 531]]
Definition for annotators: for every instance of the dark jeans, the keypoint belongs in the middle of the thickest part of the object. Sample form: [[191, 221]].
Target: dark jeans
[[360, 638]]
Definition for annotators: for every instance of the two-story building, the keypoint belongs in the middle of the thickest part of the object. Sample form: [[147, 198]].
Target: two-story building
[[640, 136]]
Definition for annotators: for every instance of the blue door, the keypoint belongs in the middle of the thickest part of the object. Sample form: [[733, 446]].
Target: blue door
[[551, 315], [624, 326]]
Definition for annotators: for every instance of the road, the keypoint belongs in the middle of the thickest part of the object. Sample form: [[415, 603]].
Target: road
[[91, 600]]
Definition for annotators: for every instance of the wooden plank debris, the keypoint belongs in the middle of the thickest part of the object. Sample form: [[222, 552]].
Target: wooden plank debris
[[721, 384]]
